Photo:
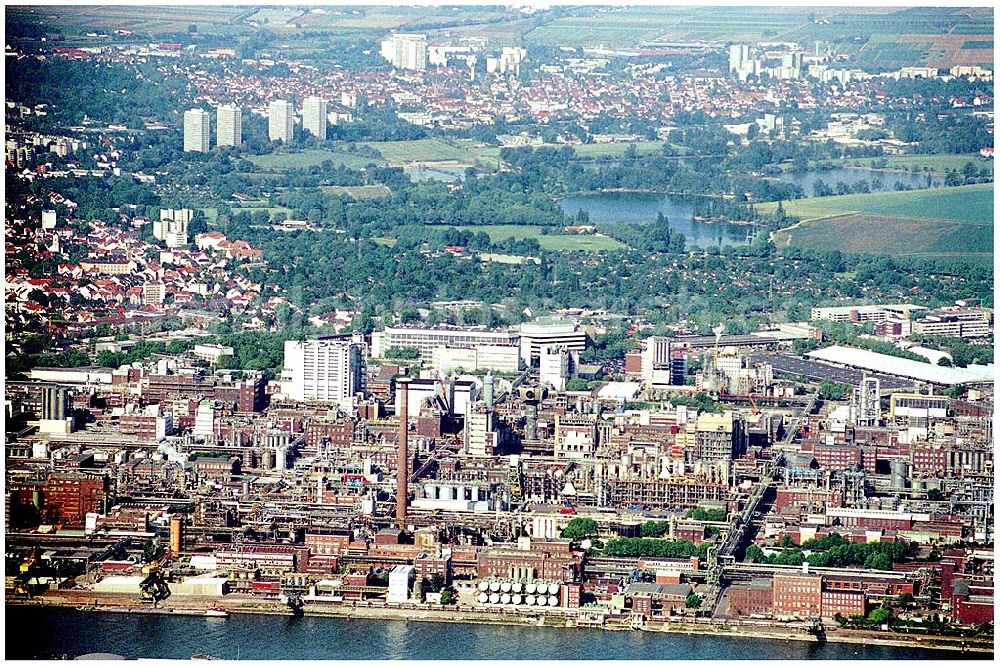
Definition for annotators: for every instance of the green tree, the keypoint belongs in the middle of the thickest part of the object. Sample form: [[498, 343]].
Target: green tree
[[879, 562], [880, 615], [693, 600], [655, 529], [579, 528]]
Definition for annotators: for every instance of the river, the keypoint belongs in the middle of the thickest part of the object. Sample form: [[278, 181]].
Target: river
[[48, 633]]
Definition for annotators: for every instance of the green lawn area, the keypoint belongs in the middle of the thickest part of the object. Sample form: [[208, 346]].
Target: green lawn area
[[311, 158], [270, 209], [425, 150], [556, 242], [866, 233], [970, 204], [211, 214], [358, 192], [935, 163]]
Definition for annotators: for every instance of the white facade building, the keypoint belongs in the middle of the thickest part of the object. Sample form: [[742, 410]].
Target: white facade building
[[322, 370], [281, 121], [196, 130], [538, 334], [505, 359], [406, 51], [229, 126], [314, 117], [401, 579], [426, 339], [556, 365]]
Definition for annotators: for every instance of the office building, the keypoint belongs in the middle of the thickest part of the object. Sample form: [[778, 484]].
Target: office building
[[505, 359], [229, 126], [536, 335], [322, 370], [406, 51], [281, 121], [426, 339], [556, 365], [314, 117], [196, 129]]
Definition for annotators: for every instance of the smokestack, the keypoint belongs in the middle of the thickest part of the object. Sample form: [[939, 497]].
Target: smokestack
[[403, 456]]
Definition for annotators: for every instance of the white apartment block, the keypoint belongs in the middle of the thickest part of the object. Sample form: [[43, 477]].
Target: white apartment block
[[314, 117], [229, 126], [196, 130], [154, 293], [281, 121], [172, 228], [406, 51], [322, 370]]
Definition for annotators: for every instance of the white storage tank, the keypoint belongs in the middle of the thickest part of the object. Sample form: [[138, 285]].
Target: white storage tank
[[505, 599], [494, 598], [541, 600], [553, 601], [530, 588], [483, 586], [517, 587], [554, 588], [505, 586], [530, 600], [482, 598], [516, 599], [494, 586]]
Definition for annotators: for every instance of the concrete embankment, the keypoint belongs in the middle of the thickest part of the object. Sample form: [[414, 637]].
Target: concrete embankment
[[197, 605]]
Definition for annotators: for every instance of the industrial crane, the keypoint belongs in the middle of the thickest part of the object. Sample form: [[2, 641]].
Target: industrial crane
[[153, 587]]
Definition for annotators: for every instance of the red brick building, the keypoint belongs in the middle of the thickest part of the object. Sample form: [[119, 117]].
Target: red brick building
[[68, 497], [798, 596], [753, 598]]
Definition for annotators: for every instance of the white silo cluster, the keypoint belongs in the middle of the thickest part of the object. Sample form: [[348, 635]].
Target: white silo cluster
[[518, 594]]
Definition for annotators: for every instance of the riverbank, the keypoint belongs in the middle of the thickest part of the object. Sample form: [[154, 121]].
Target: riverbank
[[552, 618]]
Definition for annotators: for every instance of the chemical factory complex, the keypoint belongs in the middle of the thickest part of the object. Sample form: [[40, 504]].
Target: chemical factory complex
[[353, 484], [641, 318]]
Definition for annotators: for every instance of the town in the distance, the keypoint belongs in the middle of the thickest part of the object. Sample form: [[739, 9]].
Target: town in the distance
[[571, 317]]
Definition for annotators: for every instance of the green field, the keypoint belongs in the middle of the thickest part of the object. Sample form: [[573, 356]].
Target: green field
[[555, 242], [270, 209], [310, 158], [937, 164], [358, 192], [917, 237], [969, 204], [425, 150]]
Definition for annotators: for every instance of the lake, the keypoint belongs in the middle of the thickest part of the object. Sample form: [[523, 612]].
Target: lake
[[48, 633], [878, 180], [637, 207]]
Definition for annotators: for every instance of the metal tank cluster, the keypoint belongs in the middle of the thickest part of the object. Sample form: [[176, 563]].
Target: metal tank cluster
[[515, 593]]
